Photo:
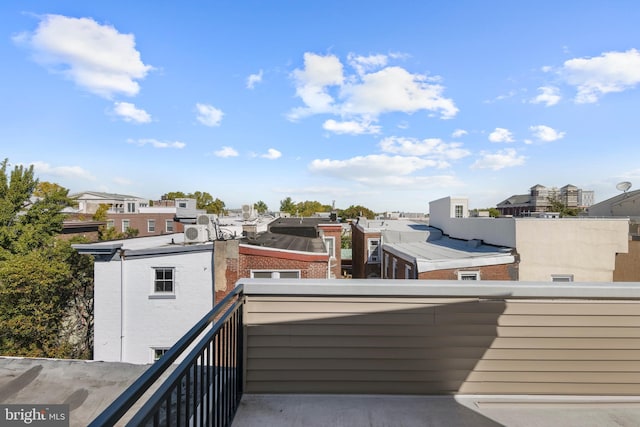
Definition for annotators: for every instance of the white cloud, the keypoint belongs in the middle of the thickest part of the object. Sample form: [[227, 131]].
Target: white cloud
[[498, 160], [272, 154], [156, 143], [362, 64], [96, 57], [372, 168], [549, 95], [546, 133], [459, 132], [394, 89], [501, 135], [607, 73], [226, 152], [43, 168], [431, 147], [324, 89], [209, 115], [254, 79], [350, 127], [130, 113], [311, 84]]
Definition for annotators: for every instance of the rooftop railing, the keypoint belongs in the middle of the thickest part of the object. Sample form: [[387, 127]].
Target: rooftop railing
[[393, 337], [204, 389]]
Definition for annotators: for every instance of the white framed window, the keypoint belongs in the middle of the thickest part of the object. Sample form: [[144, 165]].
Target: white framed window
[[131, 207], [468, 275], [110, 223], [151, 225], [157, 353], [562, 277], [459, 211], [182, 205], [125, 225], [394, 269], [330, 243], [407, 272], [275, 274], [168, 226], [373, 253], [164, 280]]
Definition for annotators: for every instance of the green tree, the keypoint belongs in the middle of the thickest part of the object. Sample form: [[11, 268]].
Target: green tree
[[308, 208], [39, 276], [204, 201], [216, 207], [287, 205], [557, 206], [174, 195], [355, 212], [260, 207], [104, 231]]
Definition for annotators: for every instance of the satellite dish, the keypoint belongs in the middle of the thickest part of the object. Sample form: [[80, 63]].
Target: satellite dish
[[623, 186]]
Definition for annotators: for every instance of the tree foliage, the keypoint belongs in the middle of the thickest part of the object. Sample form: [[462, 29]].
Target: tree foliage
[[42, 278], [204, 201], [287, 205], [260, 207], [556, 205], [306, 208], [355, 212]]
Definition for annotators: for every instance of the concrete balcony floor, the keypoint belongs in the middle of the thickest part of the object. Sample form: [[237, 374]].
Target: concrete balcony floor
[[260, 410]]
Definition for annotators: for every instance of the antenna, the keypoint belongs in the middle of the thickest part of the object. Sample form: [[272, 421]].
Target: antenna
[[623, 186]]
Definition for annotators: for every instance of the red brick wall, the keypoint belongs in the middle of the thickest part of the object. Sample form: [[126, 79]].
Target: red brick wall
[[308, 269], [139, 221], [489, 272], [361, 267], [334, 231]]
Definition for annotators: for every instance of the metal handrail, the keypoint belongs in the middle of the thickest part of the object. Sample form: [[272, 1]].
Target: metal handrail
[[160, 394], [130, 396]]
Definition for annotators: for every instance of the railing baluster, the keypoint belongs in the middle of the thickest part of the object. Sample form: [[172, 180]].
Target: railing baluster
[[201, 398]]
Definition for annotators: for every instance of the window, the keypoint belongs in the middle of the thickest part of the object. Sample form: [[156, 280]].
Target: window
[[151, 225], [468, 275], [268, 274], [407, 272], [125, 225], [374, 250], [395, 269], [131, 207], [110, 223], [164, 280], [182, 205], [459, 211], [330, 243], [169, 226], [158, 353], [562, 277]]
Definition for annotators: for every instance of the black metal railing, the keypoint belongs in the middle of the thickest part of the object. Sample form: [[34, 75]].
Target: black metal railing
[[205, 388]]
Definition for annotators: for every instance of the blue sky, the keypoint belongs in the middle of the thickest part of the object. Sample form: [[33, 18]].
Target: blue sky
[[384, 104]]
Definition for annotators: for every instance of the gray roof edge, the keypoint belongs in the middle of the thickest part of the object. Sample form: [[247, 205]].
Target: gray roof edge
[[441, 288]]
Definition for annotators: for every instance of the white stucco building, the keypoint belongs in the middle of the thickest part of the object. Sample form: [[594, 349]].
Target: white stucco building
[[148, 292], [559, 249]]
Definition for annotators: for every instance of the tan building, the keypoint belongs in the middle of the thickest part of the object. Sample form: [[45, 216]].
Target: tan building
[[558, 249]]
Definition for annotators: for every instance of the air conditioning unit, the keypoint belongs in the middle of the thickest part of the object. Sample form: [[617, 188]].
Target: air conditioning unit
[[196, 233], [203, 219], [247, 212]]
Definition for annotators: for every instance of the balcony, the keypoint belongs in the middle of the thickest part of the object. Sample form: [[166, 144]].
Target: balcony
[[390, 352]]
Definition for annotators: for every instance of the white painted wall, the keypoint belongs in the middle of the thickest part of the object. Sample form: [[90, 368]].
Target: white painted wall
[[583, 247], [148, 322]]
